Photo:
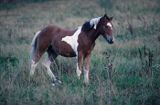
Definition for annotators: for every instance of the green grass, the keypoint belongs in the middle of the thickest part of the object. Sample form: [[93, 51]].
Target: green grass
[[135, 57], [12, 4]]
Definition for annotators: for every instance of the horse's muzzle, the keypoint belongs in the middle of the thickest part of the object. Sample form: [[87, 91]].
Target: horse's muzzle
[[110, 40]]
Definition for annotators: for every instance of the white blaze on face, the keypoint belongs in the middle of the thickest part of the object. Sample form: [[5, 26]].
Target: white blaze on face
[[95, 21], [109, 25], [73, 40]]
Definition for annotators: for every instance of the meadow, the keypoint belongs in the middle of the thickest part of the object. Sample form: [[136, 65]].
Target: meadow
[[125, 73]]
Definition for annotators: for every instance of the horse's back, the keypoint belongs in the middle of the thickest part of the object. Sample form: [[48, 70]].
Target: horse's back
[[52, 36]]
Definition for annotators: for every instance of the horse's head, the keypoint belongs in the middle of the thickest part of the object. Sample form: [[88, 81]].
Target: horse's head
[[105, 28]]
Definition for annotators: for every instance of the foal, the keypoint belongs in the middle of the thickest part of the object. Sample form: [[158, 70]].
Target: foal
[[77, 43]]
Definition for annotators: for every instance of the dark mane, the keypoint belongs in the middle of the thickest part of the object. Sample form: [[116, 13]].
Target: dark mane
[[87, 26]]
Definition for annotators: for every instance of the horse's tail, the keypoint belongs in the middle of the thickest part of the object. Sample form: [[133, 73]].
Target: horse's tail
[[34, 45], [32, 53]]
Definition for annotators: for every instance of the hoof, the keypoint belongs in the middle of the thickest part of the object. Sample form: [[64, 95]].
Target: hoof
[[78, 77], [56, 82], [86, 83], [53, 84]]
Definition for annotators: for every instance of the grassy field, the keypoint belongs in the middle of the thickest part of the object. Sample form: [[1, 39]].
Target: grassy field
[[133, 78]]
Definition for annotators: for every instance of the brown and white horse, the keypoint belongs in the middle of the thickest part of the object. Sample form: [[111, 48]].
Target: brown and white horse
[[77, 43]]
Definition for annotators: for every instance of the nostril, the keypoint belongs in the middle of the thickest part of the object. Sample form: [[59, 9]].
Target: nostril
[[111, 41]]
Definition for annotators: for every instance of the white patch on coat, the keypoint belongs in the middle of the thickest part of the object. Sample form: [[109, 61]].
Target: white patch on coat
[[109, 24], [94, 22], [73, 40], [86, 76], [78, 71]]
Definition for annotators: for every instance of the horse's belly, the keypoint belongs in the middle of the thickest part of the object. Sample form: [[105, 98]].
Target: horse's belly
[[65, 50], [68, 54]]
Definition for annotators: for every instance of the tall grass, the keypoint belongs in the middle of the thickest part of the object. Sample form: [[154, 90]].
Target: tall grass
[[125, 73]]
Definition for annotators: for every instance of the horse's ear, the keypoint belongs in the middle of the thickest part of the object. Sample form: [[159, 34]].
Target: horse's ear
[[111, 18], [87, 26], [105, 15]]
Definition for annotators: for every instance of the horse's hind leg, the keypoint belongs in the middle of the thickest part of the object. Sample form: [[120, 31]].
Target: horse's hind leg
[[34, 61], [51, 57], [47, 64], [33, 66]]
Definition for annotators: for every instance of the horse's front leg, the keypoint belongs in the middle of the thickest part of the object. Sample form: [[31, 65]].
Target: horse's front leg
[[86, 69], [79, 65]]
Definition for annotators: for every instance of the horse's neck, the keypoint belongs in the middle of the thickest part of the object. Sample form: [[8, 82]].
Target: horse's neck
[[93, 35]]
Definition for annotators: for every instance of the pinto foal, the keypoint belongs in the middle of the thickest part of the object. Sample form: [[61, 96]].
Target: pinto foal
[[77, 43]]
